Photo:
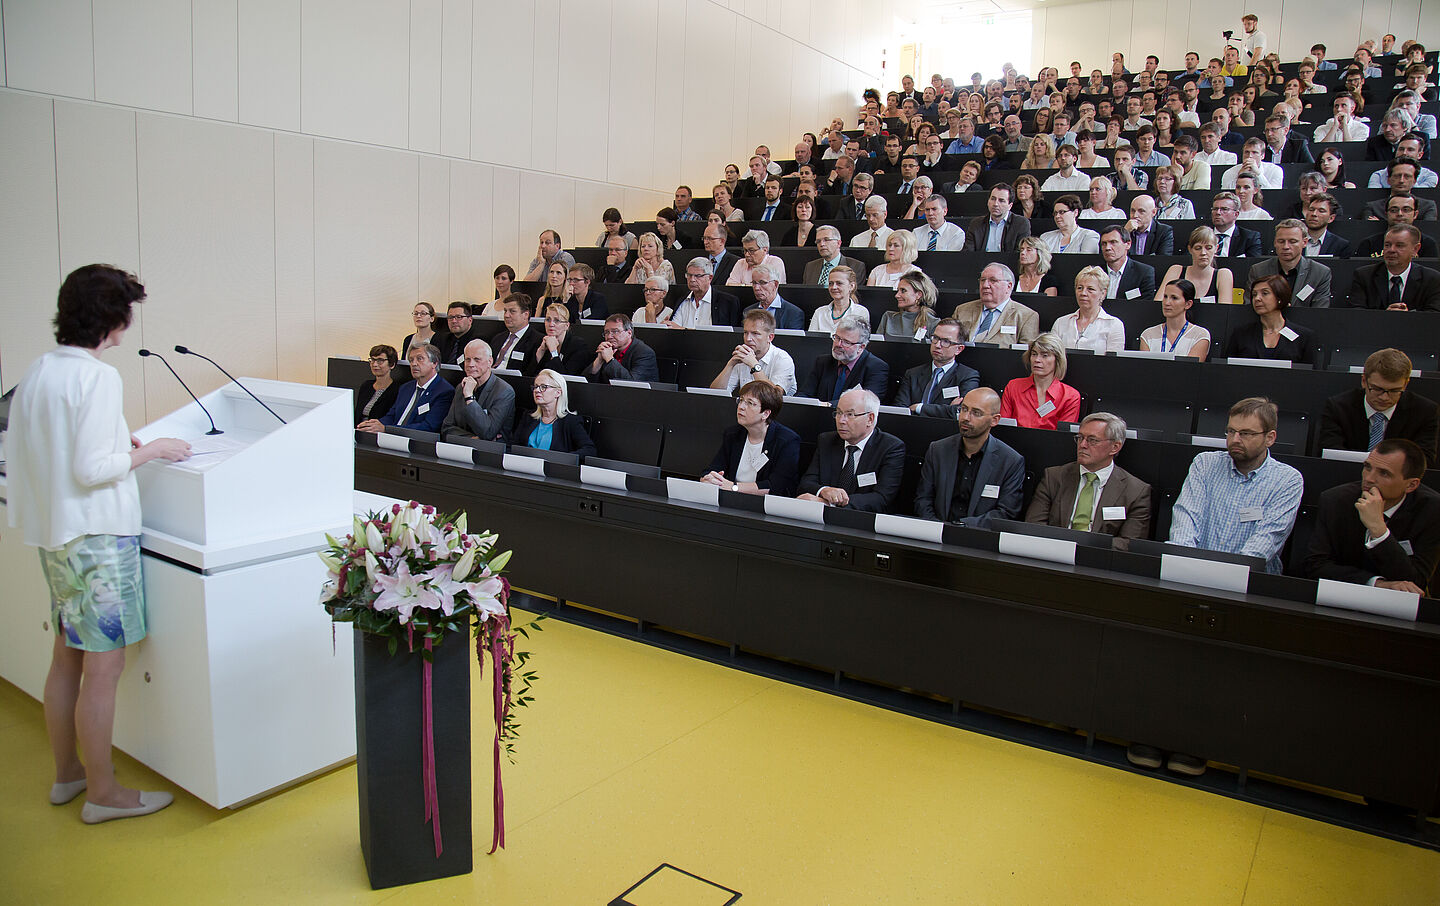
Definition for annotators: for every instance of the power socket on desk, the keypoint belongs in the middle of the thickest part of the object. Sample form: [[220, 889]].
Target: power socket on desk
[[1202, 620]]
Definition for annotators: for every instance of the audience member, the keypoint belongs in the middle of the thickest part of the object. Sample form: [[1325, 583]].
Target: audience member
[[1309, 279], [1102, 198], [756, 252], [583, 302], [1381, 408], [1099, 496], [1069, 237], [757, 454], [1379, 208], [552, 426], [914, 317], [614, 226], [484, 405], [555, 289], [1411, 175], [936, 389], [1397, 283], [551, 251], [683, 211], [1284, 146], [622, 357], [1320, 212], [1041, 399], [1331, 165], [722, 261], [1147, 235], [423, 314], [618, 264], [849, 364], [938, 234], [1128, 279], [1127, 174], [827, 244], [1067, 178], [876, 232], [377, 395], [856, 466], [1034, 275], [1176, 334], [462, 330], [1002, 229], [995, 317], [1091, 326], [559, 348], [805, 227], [1231, 241], [1270, 336], [651, 261], [757, 358], [1028, 202], [972, 477], [514, 347], [654, 311], [900, 254], [766, 287], [420, 403], [1267, 176], [1399, 210], [1212, 283]]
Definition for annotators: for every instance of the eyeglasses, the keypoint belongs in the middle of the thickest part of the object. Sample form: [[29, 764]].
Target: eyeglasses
[[1378, 391], [557, 320], [1089, 440], [943, 343], [847, 344], [376, 360], [456, 317], [841, 413], [1244, 435], [545, 388], [612, 332], [746, 402]]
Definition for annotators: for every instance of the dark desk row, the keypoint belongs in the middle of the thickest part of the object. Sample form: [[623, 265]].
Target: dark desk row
[[1258, 680]]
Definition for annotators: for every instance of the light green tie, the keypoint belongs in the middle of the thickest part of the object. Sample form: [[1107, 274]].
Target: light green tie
[[1085, 503]]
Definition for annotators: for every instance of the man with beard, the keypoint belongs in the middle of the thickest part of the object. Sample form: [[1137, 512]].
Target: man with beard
[[971, 477]]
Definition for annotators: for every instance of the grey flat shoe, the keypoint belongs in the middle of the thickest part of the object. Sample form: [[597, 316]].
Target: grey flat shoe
[[62, 793], [149, 802]]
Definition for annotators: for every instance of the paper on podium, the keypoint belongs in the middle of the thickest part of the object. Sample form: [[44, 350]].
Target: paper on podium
[[1385, 602], [1233, 577], [790, 508], [692, 491], [1056, 550], [909, 527]]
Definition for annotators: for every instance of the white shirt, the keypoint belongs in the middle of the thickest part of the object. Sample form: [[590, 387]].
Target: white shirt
[[952, 238], [1218, 158], [69, 452], [1254, 214], [1104, 334], [1354, 131], [1426, 180], [1082, 241], [1252, 46], [1077, 181], [750, 461], [777, 365], [1091, 214], [862, 240], [1270, 175], [1101, 477], [694, 314]]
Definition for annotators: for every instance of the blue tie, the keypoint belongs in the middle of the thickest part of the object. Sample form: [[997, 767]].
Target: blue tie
[[841, 374], [985, 323], [1377, 429], [769, 212], [934, 382], [934, 238]]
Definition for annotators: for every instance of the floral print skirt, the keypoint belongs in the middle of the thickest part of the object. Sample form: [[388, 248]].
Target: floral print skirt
[[97, 597]]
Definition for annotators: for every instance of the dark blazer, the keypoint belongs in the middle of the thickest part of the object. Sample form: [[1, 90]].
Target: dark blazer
[[917, 381], [1309, 272], [524, 349], [1424, 209], [1296, 151], [594, 304], [382, 405], [869, 372], [999, 465], [1016, 228], [1337, 547], [570, 435], [845, 209], [1372, 246], [1378, 147], [1246, 341], [783, 210], [791, 316], [1335, 246], [1370, 287], [883, 459], [487, 416], [1055, 498], [1136, 276], [614, 273], [813, 268], [781, 471], [1343, 425], [722, 269], [748, 188], [437, 396], [575, 354], [1161, 240], [640, 365], [1244, 244], [452, 348]]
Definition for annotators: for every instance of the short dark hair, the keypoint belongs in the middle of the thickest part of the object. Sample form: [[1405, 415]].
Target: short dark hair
[[1005, 187], [1402, 161], [1070, 201], [94, 300], [388, 352], [1261, 408], [1415, 462], [505, 269], [622, 319], [521, 299], [1278, 285], [458, 304], [769, 396], [1113, 227]]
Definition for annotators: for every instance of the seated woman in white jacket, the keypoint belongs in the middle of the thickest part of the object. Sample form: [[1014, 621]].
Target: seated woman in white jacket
[[1069, 237], [1090, 326]]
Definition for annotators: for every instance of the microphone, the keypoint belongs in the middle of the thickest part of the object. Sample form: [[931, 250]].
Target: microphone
[[186, 351], [145, 353]]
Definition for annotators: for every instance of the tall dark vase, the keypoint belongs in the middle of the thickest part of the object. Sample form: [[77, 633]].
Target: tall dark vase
[[397, 841]]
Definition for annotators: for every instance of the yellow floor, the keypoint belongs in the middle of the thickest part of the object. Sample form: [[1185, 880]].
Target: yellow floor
[[633, 757]]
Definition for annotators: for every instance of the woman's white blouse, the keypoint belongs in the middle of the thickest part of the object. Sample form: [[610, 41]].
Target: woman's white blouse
[[68, 452], [1104, 334]]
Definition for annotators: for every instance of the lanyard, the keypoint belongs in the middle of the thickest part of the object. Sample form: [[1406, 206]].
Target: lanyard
[[1165, 333]]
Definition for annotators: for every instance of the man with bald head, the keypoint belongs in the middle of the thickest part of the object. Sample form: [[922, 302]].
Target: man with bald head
[[484, 405], [1148, 236], [972, 477]]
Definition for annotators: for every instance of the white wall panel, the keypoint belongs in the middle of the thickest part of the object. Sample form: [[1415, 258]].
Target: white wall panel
[[641, 204], [775, 14], [97, 192], [708, 108], [2, 43], [269, 54], [1177, 39], [744, 118], [1147, 36], [216, 59], [1334, 23], [508, 243], [805, 113], [207, 247], [671, 96], [432, 280], [472, 258], [501, 114], [143, 57], [1429, 21], [768, 108], [366, 223], [827, 27], [583, 146], [631, 125], [354, 68], [455, 78], [48, 47], [425, 85], [1404, 21], [546, 203], [591, 200], [29, 234], [299, 356], [544, 64]]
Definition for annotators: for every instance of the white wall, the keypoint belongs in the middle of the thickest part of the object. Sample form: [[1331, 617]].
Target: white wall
[[287, 177], [1091, 32]]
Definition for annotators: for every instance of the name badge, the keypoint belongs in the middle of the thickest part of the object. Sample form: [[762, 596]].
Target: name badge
[[868, 481], [991, 490], [422, 409], [585, 313], [1112, 512], [761, 461], [1007, 328], [1133, 293], [1250, 514], [1045, 409], [949, 393], [1305, 293], [1210, 299], [1407, 548], [517, 354], [920, 333], [1289, 334]]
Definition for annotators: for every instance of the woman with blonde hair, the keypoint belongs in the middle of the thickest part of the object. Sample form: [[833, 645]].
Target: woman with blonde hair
[[1090, 326], [1033, 275], [1212, 284], [552, 426], [651, 261], [1041, 155], [901, 251], [721, 195], [915, 297], [1041, 399], [844, 302], [556, 286]]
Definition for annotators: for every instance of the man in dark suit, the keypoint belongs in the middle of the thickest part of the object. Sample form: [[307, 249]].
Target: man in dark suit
[[936, 389], [704, 305], [1349, 420], [1379, 209], [617, 261], [1136, 280], [1283, 146], [1234, 241], [856, 466], [971, 477], [1320, 212], [1399, 208], [1383, 530], [788, 315], [421, 403], [827, 243], [1148, 236], [462, 330], [774, 208], [849, 364], [722, 262], [513, 347], [852, 206], [621, 357], [1003, 229], [1116, 502], [1397, 283], [1309, 279], [841, 177], [484, 405], [584, 303]]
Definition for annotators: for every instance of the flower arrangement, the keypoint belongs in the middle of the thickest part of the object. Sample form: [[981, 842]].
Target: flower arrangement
[[410, 572]]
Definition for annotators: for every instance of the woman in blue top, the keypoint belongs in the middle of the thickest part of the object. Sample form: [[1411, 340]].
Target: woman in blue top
[[552, 426]]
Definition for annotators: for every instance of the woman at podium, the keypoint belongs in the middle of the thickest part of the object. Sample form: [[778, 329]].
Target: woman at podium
[[71, 456]]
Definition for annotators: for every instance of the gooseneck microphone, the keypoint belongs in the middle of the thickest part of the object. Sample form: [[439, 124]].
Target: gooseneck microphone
[[145, 353], [187, 351]]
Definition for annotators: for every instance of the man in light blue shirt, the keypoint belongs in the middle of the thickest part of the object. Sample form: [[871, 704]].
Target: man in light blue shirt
[[1241, 500], [967, 142]]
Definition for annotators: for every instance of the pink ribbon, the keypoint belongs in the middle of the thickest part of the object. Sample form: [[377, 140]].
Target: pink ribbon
[[427, 751], [502, 707]]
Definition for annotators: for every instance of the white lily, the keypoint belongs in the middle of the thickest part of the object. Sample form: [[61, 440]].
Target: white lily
[[500, 560], [373, 539], [463, 565], [461, 523], [372, 567], [331, 562]]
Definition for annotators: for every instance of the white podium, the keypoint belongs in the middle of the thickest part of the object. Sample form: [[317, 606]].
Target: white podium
[[236, 691]]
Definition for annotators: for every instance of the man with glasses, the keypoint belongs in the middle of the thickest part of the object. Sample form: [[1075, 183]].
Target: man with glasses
[[1099, 496], [617, 261], [621, 357], [756, 248], [484, 405], [584, 304], [513, 347], [757, 358], [935, 389], [995, 317], [1397, 282], [972, 477], [827, 243], [849, 364], [704, 306], [766, 285], [422, 402], [1399, 210], [722, 261], [462, 330], [856, 466], [1380, 409]]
